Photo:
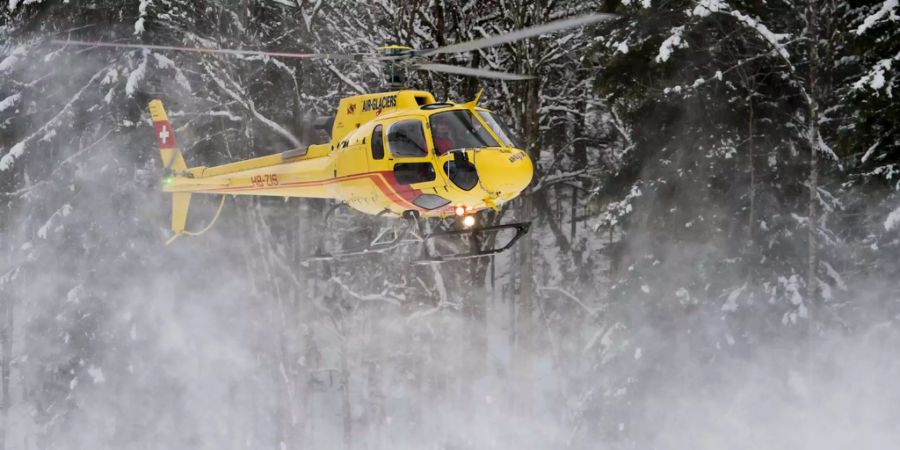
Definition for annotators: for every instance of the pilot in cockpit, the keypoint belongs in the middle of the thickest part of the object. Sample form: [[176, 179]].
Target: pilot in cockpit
[[443, 143]]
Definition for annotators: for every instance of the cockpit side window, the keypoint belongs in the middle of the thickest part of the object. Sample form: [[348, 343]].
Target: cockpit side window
[[406, 138], [452, 130], [500, 129], [377, 143]]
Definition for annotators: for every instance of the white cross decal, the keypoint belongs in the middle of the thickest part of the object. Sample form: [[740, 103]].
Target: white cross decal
[[163, 134]]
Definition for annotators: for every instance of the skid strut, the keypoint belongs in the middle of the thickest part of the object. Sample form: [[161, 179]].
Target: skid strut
[[411, 233]]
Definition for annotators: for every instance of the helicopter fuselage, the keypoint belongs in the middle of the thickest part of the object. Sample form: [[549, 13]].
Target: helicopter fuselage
[[389, 153]]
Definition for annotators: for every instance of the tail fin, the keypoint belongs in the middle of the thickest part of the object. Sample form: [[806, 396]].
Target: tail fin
[[165, 136], [173, 163]]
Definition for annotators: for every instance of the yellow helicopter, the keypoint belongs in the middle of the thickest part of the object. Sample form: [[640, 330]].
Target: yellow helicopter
[[399, 154]]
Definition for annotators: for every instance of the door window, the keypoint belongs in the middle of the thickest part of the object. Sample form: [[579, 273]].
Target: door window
[[409, 173], [406, 138], [377, 144]]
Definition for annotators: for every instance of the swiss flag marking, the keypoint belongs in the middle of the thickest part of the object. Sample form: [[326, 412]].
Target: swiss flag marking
[[164, 135]]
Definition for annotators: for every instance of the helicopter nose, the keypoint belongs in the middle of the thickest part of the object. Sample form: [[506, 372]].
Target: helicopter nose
[[504, 172]]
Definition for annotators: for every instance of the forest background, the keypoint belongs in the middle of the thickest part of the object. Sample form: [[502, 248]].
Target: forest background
[[713, 262]]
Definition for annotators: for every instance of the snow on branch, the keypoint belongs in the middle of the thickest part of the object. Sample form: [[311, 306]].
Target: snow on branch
[[17, 150], [9, 102], [165, 63], [888, 7], [875, 78], [893, 220], [776, 40], [827, 151], [670, 44], [617, 210], [142, 14], [236, 94], [707, 7], [383, 296], [136, 75], [12, 59], [63, 211]]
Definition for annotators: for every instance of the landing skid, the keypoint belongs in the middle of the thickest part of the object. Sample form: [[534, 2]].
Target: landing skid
[[476, 250], [409, 233]]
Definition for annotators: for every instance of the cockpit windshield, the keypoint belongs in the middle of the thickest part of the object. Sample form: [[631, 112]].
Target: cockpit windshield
[[458, 129], [499, 128]]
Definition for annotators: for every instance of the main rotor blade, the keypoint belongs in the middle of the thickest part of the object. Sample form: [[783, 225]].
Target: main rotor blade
[[446, 68], [519, 34], [352, 56]]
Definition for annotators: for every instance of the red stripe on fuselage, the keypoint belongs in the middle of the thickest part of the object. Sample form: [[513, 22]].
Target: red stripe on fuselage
[[387, 183]]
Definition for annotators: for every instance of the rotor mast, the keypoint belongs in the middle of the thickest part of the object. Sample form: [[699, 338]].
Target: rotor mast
[[395, 73]]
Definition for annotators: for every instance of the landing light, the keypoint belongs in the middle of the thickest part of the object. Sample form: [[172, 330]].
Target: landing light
[[468, 221]]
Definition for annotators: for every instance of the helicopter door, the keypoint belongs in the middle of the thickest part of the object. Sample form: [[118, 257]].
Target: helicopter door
[[413, 163]]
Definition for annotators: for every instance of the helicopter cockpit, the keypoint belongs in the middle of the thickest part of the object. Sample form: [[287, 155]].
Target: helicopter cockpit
[[460, 129], [464, 145]]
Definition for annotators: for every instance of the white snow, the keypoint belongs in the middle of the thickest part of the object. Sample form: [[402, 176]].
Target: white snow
[[622, 47], [774, 39], [792, 289], [13, 3], [10, 60], [826, 149], [139, 26], [166, 63], [731, 302], [893, 220], [8, 102], [163, 62], [74, 294], [874, 79], [142, 13], [42, 231], [227, 114], [645, 288], [869, 152], [707, 7], [7, 160], [96, 374], [887, 7], [670, 44], [136, 76], [111, 76], [834, 275]]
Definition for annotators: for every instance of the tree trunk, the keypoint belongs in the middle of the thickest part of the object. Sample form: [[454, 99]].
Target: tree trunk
[[751, 219], [7, 310], [6, 340], [813, 140], [345, 396]]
